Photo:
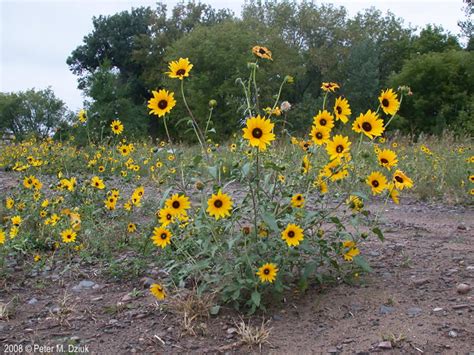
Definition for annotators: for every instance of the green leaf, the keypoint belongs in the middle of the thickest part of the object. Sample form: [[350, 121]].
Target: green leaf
[[256, 298], [215, 310], [213, 170], [246, 169], [271, 165], [379, 233], [362, 263], [270, 221], [165, 196]]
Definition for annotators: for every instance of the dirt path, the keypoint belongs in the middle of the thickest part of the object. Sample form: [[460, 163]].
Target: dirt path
[[410, 299]]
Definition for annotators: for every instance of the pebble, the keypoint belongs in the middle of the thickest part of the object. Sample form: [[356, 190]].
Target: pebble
[[385, 345], [463, 288], [386, 309], [452, 334], [461, 306], [75, 338], [83, 285], [33, 301], [231, 330], [422, 281], [277, 317], [126, 298], [414, 311], [470, 268], [437, 309]]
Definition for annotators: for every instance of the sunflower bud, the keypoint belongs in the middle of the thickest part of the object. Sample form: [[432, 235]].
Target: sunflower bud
[[285, 106], [252, 65], [199, 185], [212, 103], [289, 79]]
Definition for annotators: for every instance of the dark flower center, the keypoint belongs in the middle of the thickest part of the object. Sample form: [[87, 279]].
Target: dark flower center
[[291, 234], [168, 217], [181, 72], [116, 127], [298, 198], [375, 183], [164, 236], [385, 103], [323, 122], [257, 133], [162, 104], [340, 148], [266, 271], [262, 51], [366, 126], [339, 109], [384, 161], [399, 179], [218, 203], [319, 135], [176, 204]]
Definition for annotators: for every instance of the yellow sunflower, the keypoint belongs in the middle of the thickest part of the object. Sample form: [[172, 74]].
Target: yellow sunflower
[[324, 119], [131, 228], [161, 237], [350, 250], [387, 158], [259, 132], [161, 103], [165, 216], [292, 235], [29, 181], [355, 203], [178, 204], [179, 69], [219, 205], [117, 127], [377, 182], [68, 236], [338, 147], [330, 87], [401, 180], [342, 109], [262, 52], [267, 272], [2, 236], [158, 291], [82, 116], [319, 134], [369, 124], [97, 183], [305, 165], [16, 220], [335, 170], [394, 194], [9, 203], [297, 201], [389, 102]]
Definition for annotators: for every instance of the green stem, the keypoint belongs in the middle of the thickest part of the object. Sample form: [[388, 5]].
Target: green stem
[[207, 124], [391, 118], [324, 100], [254, 79]]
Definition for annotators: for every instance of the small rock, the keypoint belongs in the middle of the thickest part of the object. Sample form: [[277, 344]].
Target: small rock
[[83, 285], [463, 288], [96, 299], [75, 338], [385, 345], [333, 351], [470, 268], [461, 306], [414, 311], [420, 282], [127, 298], [452, 334], [277, 317], [33, 301], [147, 282], [385, 309], [231, 330], [462, 227], [437, 309], [28, 330], [113, 321]]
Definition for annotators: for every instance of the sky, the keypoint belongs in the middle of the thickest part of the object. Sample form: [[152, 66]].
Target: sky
[[37, 36]]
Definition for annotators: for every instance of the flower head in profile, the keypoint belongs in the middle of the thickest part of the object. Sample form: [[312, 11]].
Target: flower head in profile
[[355, 203], [350, 250], [179, 69], [219, 205], [342, 109], [2, 236], [262, 52], [389, 102], [161, 103], [158, 291], [267, 272], [117, 127], [401, 180], [330, 87], [258, 132]]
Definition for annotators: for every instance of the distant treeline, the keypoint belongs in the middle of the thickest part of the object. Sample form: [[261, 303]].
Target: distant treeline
[[126, 56]]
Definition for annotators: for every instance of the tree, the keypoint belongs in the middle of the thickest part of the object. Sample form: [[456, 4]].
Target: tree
[[443, 92], [434, 39], [32, 112]]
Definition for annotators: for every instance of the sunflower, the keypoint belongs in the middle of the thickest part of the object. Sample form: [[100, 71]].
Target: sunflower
[[321, 185], [9, 203], [292, 235], [297, 201], [161, 103], [369, 124], [335, 170], [219, 205], [342, 109], [178, 204], [267, 272], [161, 237], [259, 132], [387, 158], [338, 147], [68, 235], [401, 180], [281, 178], [394, 194], [389, 102], [97, 183], [305, 165], [350, 251], [29, 181], [179, 69], [165, 216], [82, 116], [158, 291], [131, 227], [2, 236], [262, 52], [377, 182], [117, 127], [355, 203], [330, 87], [324, 119], [16, 220], [319, 134]]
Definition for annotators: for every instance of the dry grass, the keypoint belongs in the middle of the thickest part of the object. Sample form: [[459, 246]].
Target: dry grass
[[64, 310], [254, 336]]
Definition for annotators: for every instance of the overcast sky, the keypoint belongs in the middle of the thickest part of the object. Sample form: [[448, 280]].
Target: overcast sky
[[38, 35]]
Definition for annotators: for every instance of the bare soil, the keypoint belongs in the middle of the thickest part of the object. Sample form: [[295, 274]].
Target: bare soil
[[410, 300]]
